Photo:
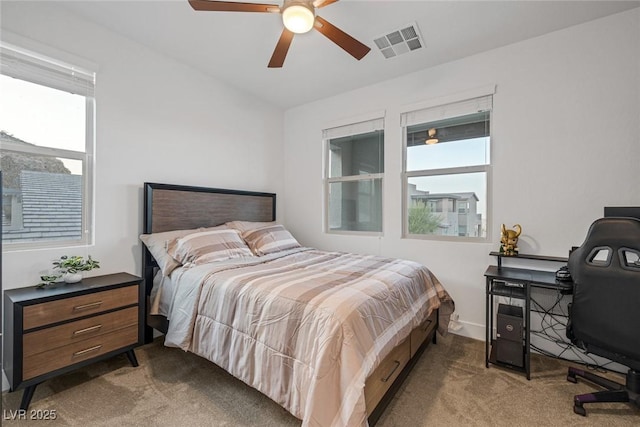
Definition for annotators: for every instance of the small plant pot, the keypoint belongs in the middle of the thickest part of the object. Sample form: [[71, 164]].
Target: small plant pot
[[72, 277]]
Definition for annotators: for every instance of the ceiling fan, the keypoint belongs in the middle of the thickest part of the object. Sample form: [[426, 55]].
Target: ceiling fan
[[298, 17]]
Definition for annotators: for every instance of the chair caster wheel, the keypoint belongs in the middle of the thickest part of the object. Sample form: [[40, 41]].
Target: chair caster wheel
[[580, 410], [572, 379]]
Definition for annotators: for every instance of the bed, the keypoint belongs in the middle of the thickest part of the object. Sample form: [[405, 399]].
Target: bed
[[330, 336]]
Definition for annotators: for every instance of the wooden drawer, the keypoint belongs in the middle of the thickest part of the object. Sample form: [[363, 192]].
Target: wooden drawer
[[70, 308], [381, 379], [419, 334], [60, 357], [68, 333]]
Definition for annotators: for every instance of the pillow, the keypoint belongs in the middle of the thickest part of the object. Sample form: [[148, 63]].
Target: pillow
[[207, 246], [157, 245], [269, 239], [243, 226]]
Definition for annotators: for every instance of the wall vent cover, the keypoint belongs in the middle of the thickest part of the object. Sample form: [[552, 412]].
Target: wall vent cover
[[403, 40]]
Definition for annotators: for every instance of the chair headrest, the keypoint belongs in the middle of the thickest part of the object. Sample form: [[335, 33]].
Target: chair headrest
[[618, 239], [615, 232]]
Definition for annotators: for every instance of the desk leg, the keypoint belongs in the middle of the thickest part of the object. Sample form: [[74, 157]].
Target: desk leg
[[488, 326], [527, 334]]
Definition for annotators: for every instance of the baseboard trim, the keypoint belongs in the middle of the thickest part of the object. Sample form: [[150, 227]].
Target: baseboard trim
[[470, 330]]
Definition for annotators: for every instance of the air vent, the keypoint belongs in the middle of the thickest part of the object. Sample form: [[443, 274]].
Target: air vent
[[402, 40]]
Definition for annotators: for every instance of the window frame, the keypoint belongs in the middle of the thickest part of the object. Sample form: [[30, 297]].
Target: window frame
[[358, 129], [486, 169], [87, 157]]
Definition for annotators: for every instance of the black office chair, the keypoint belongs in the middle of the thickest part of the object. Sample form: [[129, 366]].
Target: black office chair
[[604, 318]]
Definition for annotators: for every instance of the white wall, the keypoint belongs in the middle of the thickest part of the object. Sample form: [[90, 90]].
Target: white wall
[[157, 121], [565, 143]]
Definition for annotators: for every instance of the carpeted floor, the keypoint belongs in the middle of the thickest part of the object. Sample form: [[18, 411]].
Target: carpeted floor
[[449, 386]]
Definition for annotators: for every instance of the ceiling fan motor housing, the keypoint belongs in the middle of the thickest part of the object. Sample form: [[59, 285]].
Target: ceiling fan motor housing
[[298, 15], [308, 4]]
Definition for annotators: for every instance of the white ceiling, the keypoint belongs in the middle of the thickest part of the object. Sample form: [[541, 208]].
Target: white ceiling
[[236, 47]]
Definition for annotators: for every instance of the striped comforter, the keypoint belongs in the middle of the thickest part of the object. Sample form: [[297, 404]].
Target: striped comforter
[[305, 327]]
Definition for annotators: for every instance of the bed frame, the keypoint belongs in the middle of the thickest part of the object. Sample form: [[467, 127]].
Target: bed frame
[[170, 207]]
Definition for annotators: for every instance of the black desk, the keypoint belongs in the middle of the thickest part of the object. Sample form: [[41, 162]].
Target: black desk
[[517, 283]]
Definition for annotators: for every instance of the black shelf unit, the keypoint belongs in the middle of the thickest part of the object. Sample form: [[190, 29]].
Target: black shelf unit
[[516, 283]]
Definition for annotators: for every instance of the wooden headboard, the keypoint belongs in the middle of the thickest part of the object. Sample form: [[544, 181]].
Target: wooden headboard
[[170, 207]]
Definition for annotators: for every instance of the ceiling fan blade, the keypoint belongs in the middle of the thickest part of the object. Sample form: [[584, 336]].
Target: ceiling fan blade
[[228, 6], [280, 52], [322, 3], [342, 39]]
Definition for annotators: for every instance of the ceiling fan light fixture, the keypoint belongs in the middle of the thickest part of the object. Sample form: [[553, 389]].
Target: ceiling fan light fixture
[[431, 140], [298, 16]]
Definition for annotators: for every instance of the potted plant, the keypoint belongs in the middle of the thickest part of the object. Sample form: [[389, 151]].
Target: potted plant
[[72, 267]]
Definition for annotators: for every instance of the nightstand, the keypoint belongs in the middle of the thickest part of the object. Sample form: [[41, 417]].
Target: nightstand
[[52, 331]]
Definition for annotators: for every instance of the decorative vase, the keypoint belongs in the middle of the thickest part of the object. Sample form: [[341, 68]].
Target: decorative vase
[[72, 277]]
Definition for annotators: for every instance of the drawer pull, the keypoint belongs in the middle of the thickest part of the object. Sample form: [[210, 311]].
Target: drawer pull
[[88, 350], [87, 330], [427, 324], [384, 380], [87, 306]]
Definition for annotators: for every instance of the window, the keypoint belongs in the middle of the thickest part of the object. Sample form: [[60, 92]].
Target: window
[[446, 169], [353, 177], [46, 150]]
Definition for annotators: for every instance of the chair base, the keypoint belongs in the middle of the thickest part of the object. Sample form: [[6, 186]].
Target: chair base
[[615, 392]]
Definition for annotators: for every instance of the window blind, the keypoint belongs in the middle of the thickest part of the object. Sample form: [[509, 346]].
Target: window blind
[[42, 70], [442, 112], [354, 129]]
